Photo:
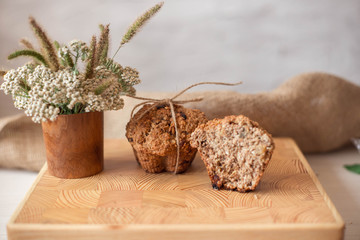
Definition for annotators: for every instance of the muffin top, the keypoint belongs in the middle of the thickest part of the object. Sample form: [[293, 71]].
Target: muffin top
[[153, 131]]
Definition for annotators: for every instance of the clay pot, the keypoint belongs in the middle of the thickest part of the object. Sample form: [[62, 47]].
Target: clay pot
[[75, 145]]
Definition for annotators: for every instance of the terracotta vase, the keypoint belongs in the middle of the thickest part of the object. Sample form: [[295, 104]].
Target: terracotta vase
[[75, 145]]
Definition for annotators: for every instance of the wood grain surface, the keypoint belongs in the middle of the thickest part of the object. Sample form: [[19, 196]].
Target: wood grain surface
[[124, 202], [75, 144]]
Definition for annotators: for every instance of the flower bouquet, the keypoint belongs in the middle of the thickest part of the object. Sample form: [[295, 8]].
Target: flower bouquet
[[67, 88]]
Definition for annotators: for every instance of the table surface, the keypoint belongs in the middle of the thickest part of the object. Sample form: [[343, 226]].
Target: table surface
[[338, 183]]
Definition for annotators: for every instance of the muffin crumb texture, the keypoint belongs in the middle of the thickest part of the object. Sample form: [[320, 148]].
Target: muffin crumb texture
[[235, 151], [153, 138]]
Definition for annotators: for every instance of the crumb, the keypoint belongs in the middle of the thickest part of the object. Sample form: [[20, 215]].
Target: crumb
[[235, 151]]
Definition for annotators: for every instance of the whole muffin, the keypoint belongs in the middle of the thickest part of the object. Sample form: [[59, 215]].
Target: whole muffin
[[235, 151], [152, 135]]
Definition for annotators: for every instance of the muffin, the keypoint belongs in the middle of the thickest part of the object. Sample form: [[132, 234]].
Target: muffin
[[151, 133], [235, 151]]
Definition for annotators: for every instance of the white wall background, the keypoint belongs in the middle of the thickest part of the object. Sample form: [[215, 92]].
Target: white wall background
[[261, 43]]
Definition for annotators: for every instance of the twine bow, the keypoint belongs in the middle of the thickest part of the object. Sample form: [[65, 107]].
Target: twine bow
[[171, 102]]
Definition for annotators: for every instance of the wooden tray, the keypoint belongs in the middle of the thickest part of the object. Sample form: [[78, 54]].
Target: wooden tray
[[124, 202]]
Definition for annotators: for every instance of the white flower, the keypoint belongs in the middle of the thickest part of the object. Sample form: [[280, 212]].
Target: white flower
[[45, 94], [63, 51]]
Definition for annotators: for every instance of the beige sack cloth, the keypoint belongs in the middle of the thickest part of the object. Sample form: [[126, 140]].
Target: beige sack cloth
[[320, 111], [21, 143]]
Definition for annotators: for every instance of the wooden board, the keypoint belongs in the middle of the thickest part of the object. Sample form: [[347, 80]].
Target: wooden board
[[124, 202]]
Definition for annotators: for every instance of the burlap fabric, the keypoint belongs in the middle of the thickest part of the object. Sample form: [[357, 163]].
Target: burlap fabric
[[320, 111], [21, 143]]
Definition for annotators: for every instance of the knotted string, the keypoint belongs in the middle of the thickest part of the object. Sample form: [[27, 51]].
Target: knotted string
[[171, 102]]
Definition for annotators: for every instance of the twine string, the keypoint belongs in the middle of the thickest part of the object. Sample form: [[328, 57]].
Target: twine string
[[173, 114], [171, 102]]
